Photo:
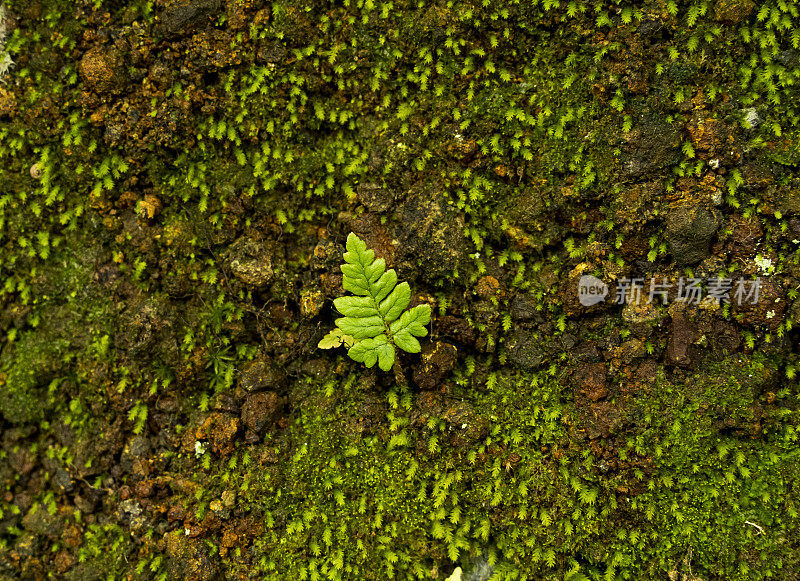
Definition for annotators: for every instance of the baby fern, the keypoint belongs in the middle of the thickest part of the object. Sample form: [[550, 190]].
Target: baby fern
[[375, 321]]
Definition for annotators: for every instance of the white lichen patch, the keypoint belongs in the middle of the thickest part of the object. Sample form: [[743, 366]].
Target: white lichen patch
[[764, 264], [5, 58], [5, 64]]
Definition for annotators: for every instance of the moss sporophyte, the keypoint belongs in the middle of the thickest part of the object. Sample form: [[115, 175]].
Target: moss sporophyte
[[375, 321]]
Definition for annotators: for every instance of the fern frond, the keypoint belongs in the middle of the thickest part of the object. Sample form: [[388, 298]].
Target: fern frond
[[376, 318]]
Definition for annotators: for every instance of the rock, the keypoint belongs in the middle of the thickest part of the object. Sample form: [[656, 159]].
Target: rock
[[106, 275], [272, 53], [630, 350], [138, 446], [733, 11], [647, 372], [40, 522], [566, 342], [374, 196], [21, 460], [650, 28], [23, 500], [177, 544], [208, 56], [523, 351], [137, 449], [586, 352], [789, 57], [456, 328], [527, 210], [437, 360], [711, 136], [219, 429], [149, 207], [225, 402], [8, 103], [73, 536], [746, 235], [651, 146], [488, 287], [86, 504], [428, 404], [599, 420], [769, 306], [160, 74], [467, 425], [689, 233], [219, 509], [261, 409], [63, 561], [104, 69], [433, 238], [590, 381], [187, 560], [317, 368], [229, 540], [62, 480], [523, 308], [250, 262], [790, 202], [25, 545], [130, 508], [237, 14], [147, 328], [682, 334], [725, 339], [181, 16], [327, 255], [311, 302], [260, 375], [642, 316], [228, 498], [636, 204]]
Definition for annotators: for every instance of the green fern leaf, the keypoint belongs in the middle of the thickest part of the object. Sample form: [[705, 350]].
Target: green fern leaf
[[374, 349], [336, 338], [376, 318], [397, 301]]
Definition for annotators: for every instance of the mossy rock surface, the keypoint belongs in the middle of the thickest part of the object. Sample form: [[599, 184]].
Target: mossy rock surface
[[177, 182]]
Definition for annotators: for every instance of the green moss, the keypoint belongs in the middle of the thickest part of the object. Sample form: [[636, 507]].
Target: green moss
[[543, 131]]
